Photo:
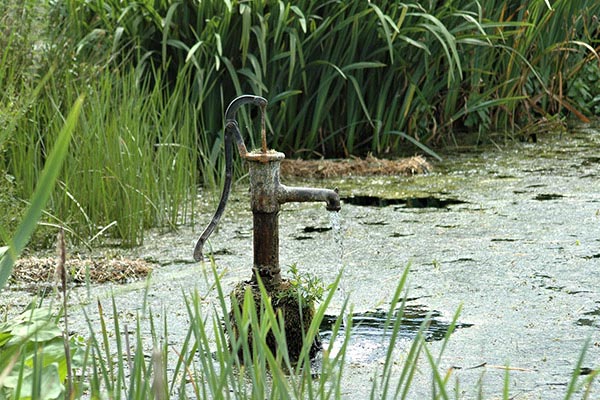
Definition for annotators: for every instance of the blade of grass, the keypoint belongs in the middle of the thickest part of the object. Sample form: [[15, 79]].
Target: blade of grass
[[41, 195]]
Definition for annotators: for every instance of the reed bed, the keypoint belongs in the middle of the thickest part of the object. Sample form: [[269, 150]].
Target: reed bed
[[117, 361], [343, 78], [111, 114], [346, 77]]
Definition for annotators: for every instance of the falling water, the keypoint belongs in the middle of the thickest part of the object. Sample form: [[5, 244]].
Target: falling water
[[338, 237]]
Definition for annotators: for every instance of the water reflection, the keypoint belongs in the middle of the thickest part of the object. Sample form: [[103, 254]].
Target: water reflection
[[371, 331]]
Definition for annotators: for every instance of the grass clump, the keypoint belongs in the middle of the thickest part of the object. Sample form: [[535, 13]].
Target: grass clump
[[294, 314], [217, 360]]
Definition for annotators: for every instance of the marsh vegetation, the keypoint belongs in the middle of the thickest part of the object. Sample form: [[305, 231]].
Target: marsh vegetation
[[342, 78], [111, 117]]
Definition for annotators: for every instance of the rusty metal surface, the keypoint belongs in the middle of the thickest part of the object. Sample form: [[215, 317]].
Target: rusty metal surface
[[267, 194], [287, 194], [264, 183], [266, 248]]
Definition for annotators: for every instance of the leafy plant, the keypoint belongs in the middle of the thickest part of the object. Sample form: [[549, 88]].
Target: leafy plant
[[425, 70], [310, 288], [41, 195], [585, 88], [33, 363]]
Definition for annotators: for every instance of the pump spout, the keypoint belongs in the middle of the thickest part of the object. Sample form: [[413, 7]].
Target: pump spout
[[287, 194]]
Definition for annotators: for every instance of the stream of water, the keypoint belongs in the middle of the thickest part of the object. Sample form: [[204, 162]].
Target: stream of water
[[338, 238]]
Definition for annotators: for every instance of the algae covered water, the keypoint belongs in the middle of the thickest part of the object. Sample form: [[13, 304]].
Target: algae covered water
[[511, 235]]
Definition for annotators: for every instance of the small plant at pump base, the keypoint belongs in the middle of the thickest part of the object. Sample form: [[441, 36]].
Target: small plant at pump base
[[292, 301], [309, 288]]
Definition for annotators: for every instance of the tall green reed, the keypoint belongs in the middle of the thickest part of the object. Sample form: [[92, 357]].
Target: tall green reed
[[341, 76], [30, 344], [213, 363], [41, 195], [133, 163], [125, 362]]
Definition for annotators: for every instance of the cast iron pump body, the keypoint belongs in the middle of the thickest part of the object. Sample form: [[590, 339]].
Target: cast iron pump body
[[266, 192]]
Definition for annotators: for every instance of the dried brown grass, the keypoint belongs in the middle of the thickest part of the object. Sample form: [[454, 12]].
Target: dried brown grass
[[31, 270], [355, 167]]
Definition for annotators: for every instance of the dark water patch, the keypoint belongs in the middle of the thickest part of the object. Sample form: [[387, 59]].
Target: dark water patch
[[317, 229], [572, 292], [584, 322], [541, 171], [588, 161], [219, 252], [586, 371], [535, 185], [399, 235], [563, 289], [502, 176], [431, 202], [371, 201], [370, 334], [409, 202], [447, 226], [462, 260], [590, 318], [239, 234], [548, 196], [541, 275], [592, 256], [595, 312], [375, 223], [372, 324], [303, 237]]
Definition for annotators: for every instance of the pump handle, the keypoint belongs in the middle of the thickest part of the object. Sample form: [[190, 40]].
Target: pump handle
[[232, 132]]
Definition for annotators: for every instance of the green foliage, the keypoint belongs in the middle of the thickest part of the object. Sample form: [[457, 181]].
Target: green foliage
[[342, 78], [33, 363], [134, 160], [585, 88], [208, 364], [42, 193], [309, 288], [10, 204]]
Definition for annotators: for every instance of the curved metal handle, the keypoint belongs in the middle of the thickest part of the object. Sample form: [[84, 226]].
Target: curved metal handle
[[232, 132]]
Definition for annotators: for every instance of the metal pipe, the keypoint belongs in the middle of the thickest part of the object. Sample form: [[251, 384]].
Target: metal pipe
[[224, 195], [266, 248], [266, 195], [286, 194]]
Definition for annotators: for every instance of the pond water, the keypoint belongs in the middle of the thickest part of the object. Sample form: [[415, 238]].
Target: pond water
[[511, 234]]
